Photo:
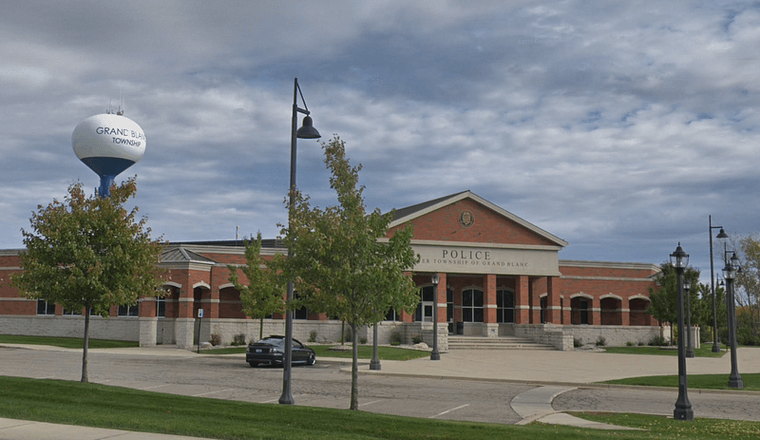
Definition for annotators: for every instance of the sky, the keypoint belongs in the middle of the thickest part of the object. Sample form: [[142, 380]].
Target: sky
[[619, 127]]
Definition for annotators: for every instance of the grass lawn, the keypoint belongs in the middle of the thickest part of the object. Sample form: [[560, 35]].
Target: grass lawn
[[85, 404], [697, 381], [704, 351], [65, 342], [365, 352]]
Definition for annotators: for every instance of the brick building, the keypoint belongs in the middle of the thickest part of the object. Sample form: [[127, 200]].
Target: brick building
[[499, 276]]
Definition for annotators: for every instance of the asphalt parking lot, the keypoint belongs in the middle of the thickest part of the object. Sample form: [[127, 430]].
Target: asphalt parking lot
[[467, 386]]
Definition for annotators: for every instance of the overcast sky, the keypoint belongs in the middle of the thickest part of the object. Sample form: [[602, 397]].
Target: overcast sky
[[616, 126]]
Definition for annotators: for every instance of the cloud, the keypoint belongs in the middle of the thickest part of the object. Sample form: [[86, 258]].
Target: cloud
[[617, 126]]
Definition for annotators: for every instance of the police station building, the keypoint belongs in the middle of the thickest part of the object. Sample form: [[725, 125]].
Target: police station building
[[501, 282]]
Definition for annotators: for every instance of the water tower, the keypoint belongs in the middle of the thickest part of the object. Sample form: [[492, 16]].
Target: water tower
[[109, 144]]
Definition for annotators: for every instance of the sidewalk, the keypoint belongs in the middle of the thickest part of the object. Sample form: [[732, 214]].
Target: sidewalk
[[553, 372]]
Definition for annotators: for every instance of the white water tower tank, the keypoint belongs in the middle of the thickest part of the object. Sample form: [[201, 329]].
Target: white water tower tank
[[109, 144]]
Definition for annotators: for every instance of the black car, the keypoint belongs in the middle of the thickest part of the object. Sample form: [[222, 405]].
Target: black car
[[271, 350]]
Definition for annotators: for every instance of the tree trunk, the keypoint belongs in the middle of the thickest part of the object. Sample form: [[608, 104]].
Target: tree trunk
[[261, 328], [86, 343], [354, 369]]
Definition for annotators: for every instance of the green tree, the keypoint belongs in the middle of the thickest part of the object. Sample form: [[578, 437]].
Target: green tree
[[747, 292], [342, 263], [664, 299], [89, 253], [265, 292], [706, 317]]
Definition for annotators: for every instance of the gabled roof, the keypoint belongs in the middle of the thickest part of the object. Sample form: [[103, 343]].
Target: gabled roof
[[404, 215], [182, 255]]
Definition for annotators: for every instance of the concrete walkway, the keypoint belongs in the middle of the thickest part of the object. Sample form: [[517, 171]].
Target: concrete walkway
[[553, 372]]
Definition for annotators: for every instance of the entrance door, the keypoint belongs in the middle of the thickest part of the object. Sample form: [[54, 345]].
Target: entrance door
[[425, 308]]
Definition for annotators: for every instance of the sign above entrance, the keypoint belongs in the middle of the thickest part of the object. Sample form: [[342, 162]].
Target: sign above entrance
[[484, 260]]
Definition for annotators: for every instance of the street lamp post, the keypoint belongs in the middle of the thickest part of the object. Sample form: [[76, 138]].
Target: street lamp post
[[435, 356], [307, 131], [683, 411], [729, 273], [721, 234], [689, 342], [374, 364]]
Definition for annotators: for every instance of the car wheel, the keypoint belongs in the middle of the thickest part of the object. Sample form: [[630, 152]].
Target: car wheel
[[253, 364], [312, 359]]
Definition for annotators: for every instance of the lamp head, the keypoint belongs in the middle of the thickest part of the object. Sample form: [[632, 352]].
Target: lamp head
[[679, 258], [722, 234], [435, 280], [307, 130]]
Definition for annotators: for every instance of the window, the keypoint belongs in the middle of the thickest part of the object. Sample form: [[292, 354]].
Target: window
[[45, 308], [129, 310], [505, 306], [472, 305], [71, 312], [543, 310], [392, 315], [302, 313], [161, 307]]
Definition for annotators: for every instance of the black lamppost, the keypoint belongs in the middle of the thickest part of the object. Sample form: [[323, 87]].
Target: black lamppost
[[374, 364], [689, 343], [307, 131], [683, 411], [721, 234], [435, 356], [729, 273]]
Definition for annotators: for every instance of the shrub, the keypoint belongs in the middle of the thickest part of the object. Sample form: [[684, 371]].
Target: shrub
[[601, 341], [395, 337], [312, 336], [416, 339], [215, 339], [657, 341], [238, 339], [577, 343], [362, 340], [629, 344]]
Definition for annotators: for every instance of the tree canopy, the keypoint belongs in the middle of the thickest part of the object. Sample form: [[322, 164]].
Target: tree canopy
[[265, 292], [89, 253], [341, 261], [663, 300]]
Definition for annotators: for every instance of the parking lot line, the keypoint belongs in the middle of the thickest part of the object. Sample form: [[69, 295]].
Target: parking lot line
[[448, 411], [370, 403], [213, 392]]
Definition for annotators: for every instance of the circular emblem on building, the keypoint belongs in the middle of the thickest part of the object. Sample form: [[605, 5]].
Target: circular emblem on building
[[466, 219]]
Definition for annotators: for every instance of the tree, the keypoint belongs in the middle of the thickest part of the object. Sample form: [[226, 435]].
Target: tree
[[89, 254], [342, 263], [747, 292], [265, 292], [663, 300]]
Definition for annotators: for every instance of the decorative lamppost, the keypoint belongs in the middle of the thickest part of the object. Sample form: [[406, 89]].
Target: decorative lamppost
[[307, 131], [689, 343], [683, 411], [435, 356], [721, 234], [729, 273]]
